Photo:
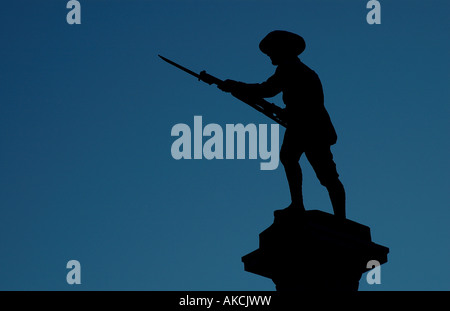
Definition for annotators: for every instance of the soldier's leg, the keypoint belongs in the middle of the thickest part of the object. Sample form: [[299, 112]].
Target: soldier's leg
[[321, 160], [290, 154], [337, 196]]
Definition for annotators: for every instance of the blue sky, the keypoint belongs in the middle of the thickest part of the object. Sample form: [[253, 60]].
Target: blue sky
[[86, 113]]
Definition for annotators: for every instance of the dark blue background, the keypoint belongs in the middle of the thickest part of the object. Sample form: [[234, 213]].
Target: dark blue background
[[86, 113]]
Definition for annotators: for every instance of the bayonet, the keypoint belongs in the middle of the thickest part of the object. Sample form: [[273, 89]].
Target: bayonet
[[180, 67]]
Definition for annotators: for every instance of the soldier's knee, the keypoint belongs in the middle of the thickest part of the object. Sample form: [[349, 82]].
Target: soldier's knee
[[330, 181]]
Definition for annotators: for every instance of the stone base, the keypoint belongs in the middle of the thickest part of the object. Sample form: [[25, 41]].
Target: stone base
[[314, 250]]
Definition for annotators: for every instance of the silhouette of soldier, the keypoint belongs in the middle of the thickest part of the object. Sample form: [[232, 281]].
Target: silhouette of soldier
[[309, 129]]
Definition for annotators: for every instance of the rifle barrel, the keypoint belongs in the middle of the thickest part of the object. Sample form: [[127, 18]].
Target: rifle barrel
[[263, 106]]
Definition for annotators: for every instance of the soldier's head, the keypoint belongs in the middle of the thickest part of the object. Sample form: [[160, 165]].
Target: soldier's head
[[282, 45]]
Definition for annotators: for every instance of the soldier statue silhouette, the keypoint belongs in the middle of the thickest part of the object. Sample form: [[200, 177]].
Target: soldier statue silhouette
[[309, 129]]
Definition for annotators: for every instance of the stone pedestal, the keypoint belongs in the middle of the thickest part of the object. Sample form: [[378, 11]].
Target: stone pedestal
[[314, 251]]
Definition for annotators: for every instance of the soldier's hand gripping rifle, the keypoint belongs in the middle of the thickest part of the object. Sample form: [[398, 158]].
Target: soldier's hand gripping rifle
[[272, 111]]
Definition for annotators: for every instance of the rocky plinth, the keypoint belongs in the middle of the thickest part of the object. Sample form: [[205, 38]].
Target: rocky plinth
[[314, 250]]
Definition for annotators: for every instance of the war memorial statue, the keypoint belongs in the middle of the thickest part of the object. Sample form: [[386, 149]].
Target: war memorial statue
[[302, 249]]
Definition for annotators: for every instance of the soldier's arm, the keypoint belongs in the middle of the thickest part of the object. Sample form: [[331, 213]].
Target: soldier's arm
[[269, 88]]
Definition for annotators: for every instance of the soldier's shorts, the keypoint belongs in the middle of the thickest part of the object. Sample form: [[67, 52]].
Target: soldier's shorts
[[318, 155]]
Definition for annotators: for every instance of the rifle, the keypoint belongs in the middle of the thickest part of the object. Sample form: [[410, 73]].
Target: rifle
[[270, 110]]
